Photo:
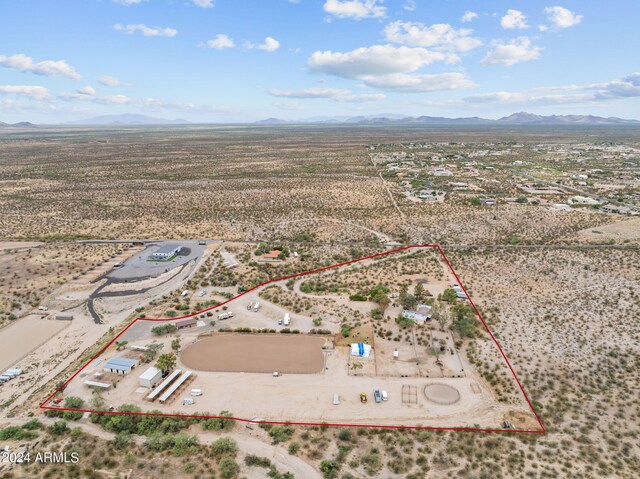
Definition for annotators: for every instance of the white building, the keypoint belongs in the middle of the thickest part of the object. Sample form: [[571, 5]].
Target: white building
[[150, 377], [166, 252]]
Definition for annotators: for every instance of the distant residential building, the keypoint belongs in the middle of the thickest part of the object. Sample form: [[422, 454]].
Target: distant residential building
[[562, 207], [271, 257], [584, 200], [620, 210]]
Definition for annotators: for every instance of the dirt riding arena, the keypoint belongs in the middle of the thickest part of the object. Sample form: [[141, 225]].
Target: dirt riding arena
[[256, 353]]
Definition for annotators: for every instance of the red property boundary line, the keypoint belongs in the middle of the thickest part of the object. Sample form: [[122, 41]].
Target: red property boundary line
[[542, 430]]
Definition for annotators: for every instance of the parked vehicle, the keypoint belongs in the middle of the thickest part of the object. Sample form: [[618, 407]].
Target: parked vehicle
[[336, 399], [376, 395], [43, 308], [287, 319], [187, 402], [196, 392], [250, 306], [202, 292], [184, 293], [363, 398], [256, 306], [385, 397]]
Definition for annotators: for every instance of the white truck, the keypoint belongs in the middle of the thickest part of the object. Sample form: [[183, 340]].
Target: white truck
[[184, 293], [287, 319], [256, 306]]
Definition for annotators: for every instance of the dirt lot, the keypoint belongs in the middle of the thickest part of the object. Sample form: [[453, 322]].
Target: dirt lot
[[23, 336], [256, 353]]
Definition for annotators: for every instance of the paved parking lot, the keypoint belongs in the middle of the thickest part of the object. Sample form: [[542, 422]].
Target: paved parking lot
[[139, 267]]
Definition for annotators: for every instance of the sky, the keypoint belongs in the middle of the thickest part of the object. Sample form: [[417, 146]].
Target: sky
[[246, 60]]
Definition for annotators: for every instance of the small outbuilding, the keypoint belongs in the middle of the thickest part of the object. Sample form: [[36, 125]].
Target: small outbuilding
[[150, 377], [120, 365], [360, 349], [186, 323]]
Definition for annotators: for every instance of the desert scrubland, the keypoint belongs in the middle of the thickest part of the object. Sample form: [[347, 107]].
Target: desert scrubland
[[538, 223]]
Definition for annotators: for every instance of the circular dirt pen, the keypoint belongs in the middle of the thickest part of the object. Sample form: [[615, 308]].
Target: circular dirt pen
[[256, 353], [441, 393]]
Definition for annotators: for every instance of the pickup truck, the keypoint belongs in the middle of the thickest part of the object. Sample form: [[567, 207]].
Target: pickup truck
[[376, 395]]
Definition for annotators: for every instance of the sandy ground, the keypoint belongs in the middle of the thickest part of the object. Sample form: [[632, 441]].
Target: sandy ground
[[256, 353], [621, 231], [19, 244], [24, 335]]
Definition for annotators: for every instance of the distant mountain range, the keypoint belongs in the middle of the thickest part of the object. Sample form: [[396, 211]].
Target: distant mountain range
[[22, 124], [522, 118]]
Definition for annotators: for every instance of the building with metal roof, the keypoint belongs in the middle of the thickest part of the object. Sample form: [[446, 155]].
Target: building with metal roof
[[120, 365]]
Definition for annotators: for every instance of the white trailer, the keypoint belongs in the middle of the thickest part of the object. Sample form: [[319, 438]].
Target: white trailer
[[287, 319], [256, 306]]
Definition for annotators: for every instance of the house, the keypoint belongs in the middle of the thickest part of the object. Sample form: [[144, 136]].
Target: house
[[120, 365], [420, 315], [271, 257], [621, 210], [166, 252], [150, 377], [186, 323], [584, 200]]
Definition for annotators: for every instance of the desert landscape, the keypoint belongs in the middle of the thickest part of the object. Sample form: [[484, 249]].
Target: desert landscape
[[557, 286]]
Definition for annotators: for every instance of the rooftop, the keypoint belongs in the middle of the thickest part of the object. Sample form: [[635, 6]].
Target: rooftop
[[167, 249]]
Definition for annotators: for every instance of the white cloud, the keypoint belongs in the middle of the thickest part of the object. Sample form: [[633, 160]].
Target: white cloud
[[417, 83], [516, 51], [204, 3], [624, 88], [386, 67], [468, 16], [374, 60], [440, 36], [270, 45], [33, 92], [87, 90], [562, 17], [221, 42], [409, 5], [146, 31], [24, 63], [334, 94], [109, 80], [356, 9], [127, 2], [514, 19]]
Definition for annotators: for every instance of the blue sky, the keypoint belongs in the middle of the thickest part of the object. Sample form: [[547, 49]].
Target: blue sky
[[234, 60]]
